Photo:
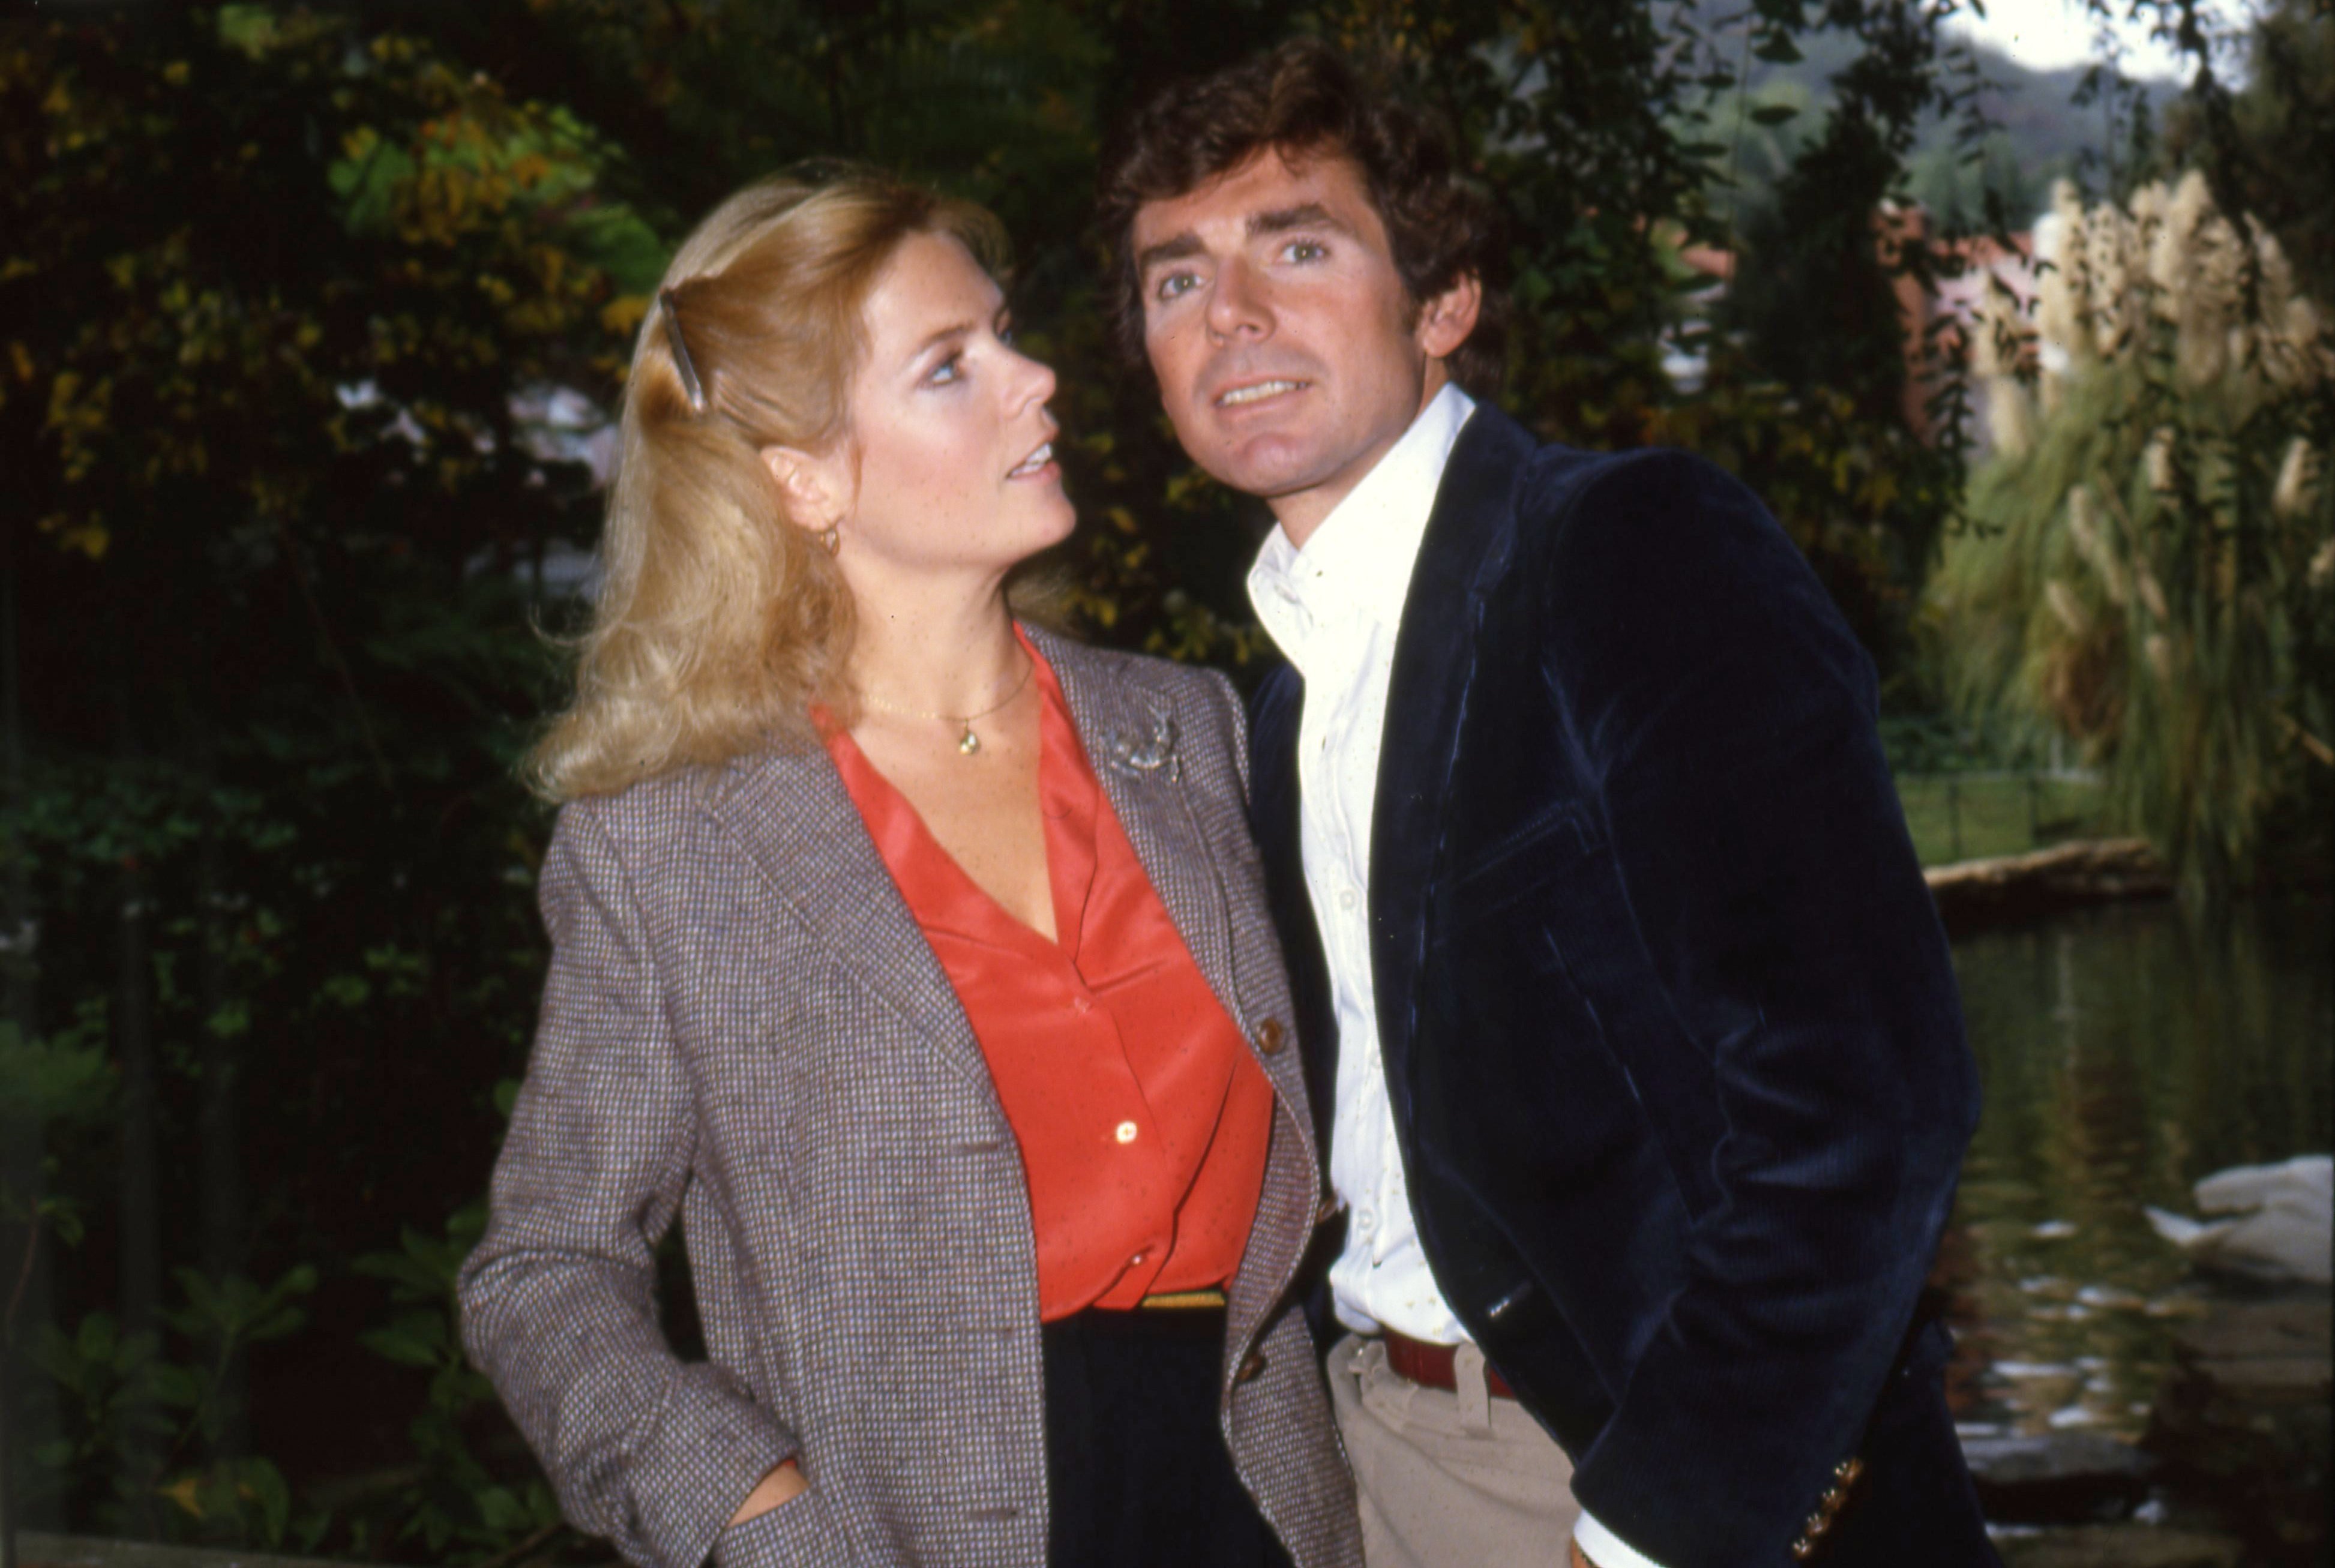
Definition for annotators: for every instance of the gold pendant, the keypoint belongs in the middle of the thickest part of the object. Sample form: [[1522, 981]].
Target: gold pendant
[[968, 743]]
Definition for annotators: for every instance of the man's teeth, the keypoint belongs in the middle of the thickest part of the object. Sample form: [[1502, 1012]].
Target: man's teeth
[[1264, 389], [1035, 460]]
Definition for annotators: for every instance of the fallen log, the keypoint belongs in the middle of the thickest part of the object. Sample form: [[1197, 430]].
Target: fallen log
[[1974, 894]]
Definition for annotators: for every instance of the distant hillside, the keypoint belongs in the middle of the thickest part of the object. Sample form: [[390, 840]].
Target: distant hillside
[[2041, 134]]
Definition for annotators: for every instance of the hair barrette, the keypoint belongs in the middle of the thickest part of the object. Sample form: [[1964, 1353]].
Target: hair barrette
[[687, 366]]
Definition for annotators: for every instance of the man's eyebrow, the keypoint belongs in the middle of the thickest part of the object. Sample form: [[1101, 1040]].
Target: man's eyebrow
[[1176, 249], [1280, 220], [1307, 215]]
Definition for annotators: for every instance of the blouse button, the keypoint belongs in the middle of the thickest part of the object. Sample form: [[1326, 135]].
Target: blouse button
[[1081, 1004], [1126, 1132]]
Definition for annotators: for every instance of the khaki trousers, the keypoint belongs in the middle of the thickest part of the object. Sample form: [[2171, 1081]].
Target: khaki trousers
[[1448, 1479]]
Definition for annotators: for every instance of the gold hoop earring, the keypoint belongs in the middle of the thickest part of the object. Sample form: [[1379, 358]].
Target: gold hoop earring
[[831, 538]]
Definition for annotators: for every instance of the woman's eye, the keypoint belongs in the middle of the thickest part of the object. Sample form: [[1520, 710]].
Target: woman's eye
[[949, 370]]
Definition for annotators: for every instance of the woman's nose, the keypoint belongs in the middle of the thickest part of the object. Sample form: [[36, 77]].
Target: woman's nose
[[1037, 381]]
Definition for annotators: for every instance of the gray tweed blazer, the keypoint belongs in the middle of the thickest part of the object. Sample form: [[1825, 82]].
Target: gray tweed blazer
[[745, 1025]]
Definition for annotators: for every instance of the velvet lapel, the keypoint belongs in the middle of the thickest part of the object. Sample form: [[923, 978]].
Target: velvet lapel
[[1127, 728], [795, 823], [1469, 535]]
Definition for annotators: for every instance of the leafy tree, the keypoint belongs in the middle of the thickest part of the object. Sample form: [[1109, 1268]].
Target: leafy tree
[[2275, 143], [277, 289]]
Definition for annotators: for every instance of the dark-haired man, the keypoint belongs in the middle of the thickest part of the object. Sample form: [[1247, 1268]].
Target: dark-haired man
[[1631, 1027]]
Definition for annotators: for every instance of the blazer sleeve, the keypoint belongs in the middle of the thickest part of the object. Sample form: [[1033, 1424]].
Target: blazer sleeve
[[1724, 715], [558, 1301]]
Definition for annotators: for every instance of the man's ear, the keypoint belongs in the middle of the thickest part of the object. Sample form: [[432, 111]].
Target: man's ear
[[813, 489], [1446, 319]]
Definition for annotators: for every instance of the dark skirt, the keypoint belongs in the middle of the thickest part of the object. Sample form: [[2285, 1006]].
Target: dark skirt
[[1136, 1472]]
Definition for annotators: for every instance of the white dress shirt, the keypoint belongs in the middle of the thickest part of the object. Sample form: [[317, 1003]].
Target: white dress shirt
[[1334, 608]]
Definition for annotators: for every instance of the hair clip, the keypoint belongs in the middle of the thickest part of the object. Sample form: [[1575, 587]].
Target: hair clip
[[680, 360]]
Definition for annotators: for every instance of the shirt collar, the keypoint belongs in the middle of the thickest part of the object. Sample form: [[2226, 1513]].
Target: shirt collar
[[1358, 563]]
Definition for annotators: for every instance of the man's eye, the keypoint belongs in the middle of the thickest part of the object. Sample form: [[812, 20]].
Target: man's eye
[[1175, 284], [1305, 250]]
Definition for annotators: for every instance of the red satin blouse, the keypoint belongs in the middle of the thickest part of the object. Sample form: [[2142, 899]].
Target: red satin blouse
[[1141, 1115]]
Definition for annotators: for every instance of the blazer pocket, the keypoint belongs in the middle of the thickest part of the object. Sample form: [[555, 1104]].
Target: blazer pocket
[[798, 1532], [1526, 859]]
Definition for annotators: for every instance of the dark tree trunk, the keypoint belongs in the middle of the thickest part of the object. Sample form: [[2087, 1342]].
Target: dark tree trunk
[[138, 1297], [28, 1405], [220, 1127]]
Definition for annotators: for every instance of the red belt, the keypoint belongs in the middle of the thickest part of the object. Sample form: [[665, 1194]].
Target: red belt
[[1429, 1366]]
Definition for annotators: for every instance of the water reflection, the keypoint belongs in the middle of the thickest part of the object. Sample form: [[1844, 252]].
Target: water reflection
[[2125, 1050]]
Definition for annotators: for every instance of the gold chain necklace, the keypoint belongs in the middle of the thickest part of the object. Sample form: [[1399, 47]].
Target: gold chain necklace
[[968, 743]]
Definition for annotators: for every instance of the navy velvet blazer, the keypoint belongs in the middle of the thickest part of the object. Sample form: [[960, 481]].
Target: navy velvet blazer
[[1668, 1018]]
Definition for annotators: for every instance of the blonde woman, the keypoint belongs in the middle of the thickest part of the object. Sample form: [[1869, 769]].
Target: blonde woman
[[915, 958]]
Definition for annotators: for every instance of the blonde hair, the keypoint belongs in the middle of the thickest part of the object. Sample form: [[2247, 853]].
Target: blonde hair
[[719, 622]]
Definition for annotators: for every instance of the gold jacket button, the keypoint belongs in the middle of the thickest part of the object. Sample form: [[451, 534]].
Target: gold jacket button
[[1271, 1036], [1847, 1471], [1333, 1206], [1251, 1368], [1803, 1549]]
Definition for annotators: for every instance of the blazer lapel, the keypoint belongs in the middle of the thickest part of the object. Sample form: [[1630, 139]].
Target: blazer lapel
[[1276, 821], [1128, 730], [1469, 538], [795, 823]]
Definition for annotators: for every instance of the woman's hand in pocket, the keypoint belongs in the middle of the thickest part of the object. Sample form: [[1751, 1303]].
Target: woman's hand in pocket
[[777, 1488]]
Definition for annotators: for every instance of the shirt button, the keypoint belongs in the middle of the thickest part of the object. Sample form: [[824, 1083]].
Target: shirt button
[[1366, 1221], [1126, 1133], [1346, 899]]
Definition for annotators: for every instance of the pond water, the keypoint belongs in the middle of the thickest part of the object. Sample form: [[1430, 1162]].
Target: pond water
[[2126, 1051]]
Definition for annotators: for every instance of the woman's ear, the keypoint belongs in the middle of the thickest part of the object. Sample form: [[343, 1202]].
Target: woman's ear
[[815, 490]]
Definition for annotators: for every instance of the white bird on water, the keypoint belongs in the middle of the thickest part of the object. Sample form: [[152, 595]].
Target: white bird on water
[[2282, 1223]]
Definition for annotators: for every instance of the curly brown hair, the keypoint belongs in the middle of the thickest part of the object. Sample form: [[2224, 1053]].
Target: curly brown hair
[[1304, 98]]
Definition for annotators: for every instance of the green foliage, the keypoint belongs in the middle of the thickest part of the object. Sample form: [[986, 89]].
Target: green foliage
[[128, 1400], [2270, 146], [462, 1507], [2147, 574], [50, 1082]]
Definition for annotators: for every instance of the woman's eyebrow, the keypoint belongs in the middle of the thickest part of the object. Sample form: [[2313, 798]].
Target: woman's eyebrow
[[954, 329]]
